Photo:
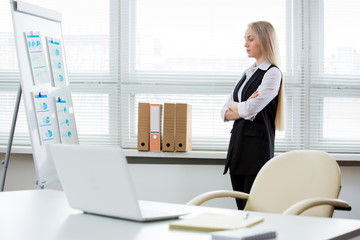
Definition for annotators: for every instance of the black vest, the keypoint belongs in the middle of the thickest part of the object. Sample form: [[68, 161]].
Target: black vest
[[252, 142]]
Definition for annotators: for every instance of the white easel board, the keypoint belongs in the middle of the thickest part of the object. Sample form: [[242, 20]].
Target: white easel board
[[44, 83]]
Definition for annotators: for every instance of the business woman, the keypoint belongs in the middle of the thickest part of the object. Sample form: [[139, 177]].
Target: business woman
[[255, 107]]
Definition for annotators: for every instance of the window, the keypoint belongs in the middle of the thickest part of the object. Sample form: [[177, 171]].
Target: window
[[188, 52], [192, 51], [334, 77], [122, 52]]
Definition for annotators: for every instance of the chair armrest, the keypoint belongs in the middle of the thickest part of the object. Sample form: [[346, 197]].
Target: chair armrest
[[301, 206], [198, 200]]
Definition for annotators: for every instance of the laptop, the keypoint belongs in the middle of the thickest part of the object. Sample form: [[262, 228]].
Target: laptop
[[96, 180]]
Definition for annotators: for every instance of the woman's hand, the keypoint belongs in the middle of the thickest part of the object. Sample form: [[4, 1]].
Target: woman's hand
[[232, 111], [254, 95], [231, 115], [233, 106]]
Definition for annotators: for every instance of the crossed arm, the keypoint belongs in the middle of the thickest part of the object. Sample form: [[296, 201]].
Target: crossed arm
[[232, 112], [266, 91]]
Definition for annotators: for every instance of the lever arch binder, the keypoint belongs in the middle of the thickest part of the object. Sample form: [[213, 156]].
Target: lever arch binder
[[155, 127], [168, 142], [183, 129], [143, 143]]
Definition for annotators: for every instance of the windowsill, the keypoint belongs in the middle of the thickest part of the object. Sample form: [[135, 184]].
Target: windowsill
[[214, 155], [190, 154], [191, 157], [17, 149], [209, 157]]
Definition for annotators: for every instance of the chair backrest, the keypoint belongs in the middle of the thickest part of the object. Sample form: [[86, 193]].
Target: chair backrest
[[294, 176]]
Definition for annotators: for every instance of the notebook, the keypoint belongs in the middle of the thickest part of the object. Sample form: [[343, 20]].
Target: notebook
[[97, 180], [211, 222]]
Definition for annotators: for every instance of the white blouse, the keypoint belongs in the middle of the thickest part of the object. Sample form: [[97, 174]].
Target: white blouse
[[267, 90]]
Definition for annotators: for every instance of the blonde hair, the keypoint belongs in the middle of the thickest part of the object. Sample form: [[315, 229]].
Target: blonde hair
[[269, 46]]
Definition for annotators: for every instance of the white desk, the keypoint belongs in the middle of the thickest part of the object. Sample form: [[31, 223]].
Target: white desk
[[45, 214]]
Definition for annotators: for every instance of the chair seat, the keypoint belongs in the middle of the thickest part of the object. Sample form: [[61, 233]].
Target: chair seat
[[305, 182]]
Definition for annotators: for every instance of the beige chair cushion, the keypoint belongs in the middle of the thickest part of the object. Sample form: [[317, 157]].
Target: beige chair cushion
[[294, 176]]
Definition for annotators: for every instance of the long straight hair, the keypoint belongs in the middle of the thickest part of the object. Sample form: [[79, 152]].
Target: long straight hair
[[266, 36]]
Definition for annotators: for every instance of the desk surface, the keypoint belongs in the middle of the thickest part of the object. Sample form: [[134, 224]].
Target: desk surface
[[45, 214]]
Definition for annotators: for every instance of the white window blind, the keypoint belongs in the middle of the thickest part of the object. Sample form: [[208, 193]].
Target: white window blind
[[120, 53], [9, 81], [90, 36], [192, 51], [335, 76], [189, 52]]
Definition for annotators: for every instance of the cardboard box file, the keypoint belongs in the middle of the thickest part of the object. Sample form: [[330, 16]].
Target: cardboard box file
[[168, 142], [143, 143], [183, 129], [155, 127]]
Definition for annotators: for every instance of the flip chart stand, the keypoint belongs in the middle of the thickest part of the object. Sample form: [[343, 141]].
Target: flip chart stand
[[5, 162], [38, 38]]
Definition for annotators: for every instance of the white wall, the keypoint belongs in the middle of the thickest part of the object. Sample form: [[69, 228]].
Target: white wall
[[350, 192], [178, 183], [20, 173]]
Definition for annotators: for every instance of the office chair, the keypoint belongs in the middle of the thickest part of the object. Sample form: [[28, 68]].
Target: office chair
[[305, 182]]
